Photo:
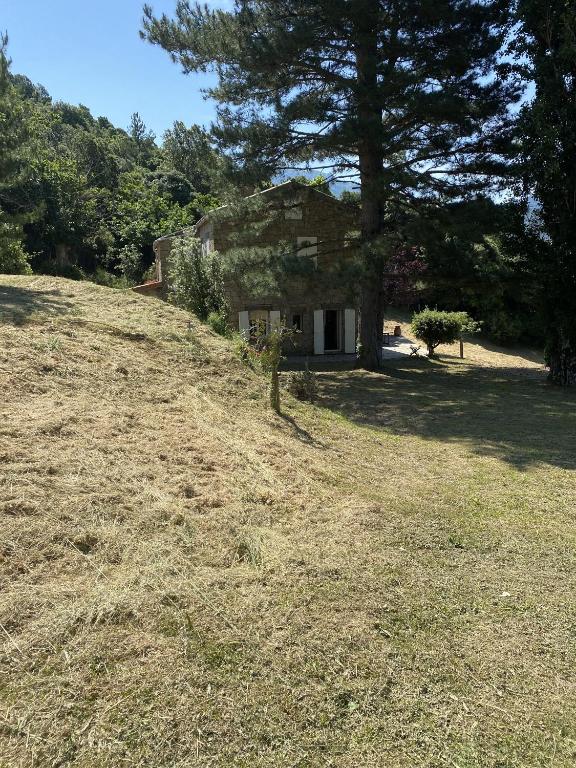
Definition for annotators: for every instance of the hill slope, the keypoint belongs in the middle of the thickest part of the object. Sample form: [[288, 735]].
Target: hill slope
[[188, 579]]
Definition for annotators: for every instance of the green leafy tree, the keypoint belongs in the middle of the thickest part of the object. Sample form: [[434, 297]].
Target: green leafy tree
[[402, 96], [100, 195], [435, 328], [478, 258], [142, 211], [13, 129], [547, 47], [196, 281]]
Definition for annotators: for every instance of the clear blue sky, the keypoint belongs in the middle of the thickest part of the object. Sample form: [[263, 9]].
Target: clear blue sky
[[89, 52]]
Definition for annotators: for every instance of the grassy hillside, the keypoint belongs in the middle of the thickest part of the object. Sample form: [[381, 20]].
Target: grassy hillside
[[385, 579]]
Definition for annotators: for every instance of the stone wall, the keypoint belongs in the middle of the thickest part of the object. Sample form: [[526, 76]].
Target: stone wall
[[290, 212]]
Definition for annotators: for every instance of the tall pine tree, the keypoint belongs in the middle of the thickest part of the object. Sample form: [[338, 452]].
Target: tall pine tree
[[401, 95], [548, 123]]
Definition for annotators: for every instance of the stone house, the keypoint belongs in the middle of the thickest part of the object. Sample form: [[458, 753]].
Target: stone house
[[312, 226]]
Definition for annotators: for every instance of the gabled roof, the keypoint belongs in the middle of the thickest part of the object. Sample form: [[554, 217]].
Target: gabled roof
[[285, 185]]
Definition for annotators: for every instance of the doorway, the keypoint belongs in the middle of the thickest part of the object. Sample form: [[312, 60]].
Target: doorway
[[332, 334]]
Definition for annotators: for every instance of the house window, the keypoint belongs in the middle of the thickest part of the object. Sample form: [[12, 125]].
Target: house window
[[293, 209], [259, 322], [296, 321], [307, 246]]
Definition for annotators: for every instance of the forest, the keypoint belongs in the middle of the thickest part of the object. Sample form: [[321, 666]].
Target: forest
[[84, 199]]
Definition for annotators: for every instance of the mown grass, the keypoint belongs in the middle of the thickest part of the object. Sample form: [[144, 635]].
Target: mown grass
[[386, 579]]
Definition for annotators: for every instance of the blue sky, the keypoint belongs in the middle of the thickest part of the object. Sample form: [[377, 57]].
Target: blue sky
[[89, 52]]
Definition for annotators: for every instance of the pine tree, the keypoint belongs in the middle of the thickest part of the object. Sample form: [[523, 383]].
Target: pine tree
[[548, 124], [397, 94], [143, 140]]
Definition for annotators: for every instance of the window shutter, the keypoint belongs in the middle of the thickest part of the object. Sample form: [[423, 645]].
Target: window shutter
[[307, 246], [244, 324], [293, 209], [275, 320], [349, 331], [318, 331]]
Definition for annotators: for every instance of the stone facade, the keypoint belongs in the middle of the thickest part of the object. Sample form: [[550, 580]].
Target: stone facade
[[318, 301]]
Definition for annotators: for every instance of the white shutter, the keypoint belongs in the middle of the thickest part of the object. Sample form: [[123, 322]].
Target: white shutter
[[318, 331], [349, 331], [275, 320], [244, 324]]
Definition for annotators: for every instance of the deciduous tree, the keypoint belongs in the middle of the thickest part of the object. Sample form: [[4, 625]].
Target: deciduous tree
[[13, 257]]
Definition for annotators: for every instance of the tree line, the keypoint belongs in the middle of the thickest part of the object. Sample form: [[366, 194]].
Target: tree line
[[81, 197]]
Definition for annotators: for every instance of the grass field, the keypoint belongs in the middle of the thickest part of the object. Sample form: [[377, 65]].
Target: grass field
[[384, 579]]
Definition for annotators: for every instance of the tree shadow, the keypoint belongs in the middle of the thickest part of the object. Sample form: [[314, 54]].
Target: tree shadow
[[301, 433], [508, 413], [17, 305]]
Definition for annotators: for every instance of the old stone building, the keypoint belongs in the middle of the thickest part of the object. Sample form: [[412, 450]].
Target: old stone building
[[306, 224]]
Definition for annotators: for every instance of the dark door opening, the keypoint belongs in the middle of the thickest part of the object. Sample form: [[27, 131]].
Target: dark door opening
[[331, 330]]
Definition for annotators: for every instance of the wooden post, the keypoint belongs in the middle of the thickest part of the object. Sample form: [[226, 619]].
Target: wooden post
[[461, 348]]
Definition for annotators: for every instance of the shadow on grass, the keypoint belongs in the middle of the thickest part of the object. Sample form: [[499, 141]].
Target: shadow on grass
[[17, 305], [301, 433], [509, 413]]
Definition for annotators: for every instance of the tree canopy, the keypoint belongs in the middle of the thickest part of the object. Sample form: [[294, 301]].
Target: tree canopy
[[546, 47], [12, 135], [79, 196]]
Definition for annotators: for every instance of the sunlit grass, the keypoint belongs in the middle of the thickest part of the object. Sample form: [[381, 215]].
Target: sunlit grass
[[385, 579]]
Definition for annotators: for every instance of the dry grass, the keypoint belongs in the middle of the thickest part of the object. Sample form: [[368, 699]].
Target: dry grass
[[189, 580]]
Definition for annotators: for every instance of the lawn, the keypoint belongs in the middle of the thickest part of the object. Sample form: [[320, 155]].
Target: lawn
[[385, 579]]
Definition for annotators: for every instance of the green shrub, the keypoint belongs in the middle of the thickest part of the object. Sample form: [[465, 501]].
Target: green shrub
[[13, 257], [244, 350], [130, 263], [218, 321], [70, 271], [263, 352], [505, 328], [434, 327], [303, 385], [109, 279], [195, 280], [150, 273]]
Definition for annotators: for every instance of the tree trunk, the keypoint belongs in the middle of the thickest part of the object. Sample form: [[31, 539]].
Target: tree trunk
[[561, 358], [371, 164], [371, 326], [62, 255], [275, 389]]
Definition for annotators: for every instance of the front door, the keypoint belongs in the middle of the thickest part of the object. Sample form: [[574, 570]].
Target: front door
[[332, 330]]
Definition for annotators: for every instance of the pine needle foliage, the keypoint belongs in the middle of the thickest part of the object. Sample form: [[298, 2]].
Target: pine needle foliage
[[547, 49]]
